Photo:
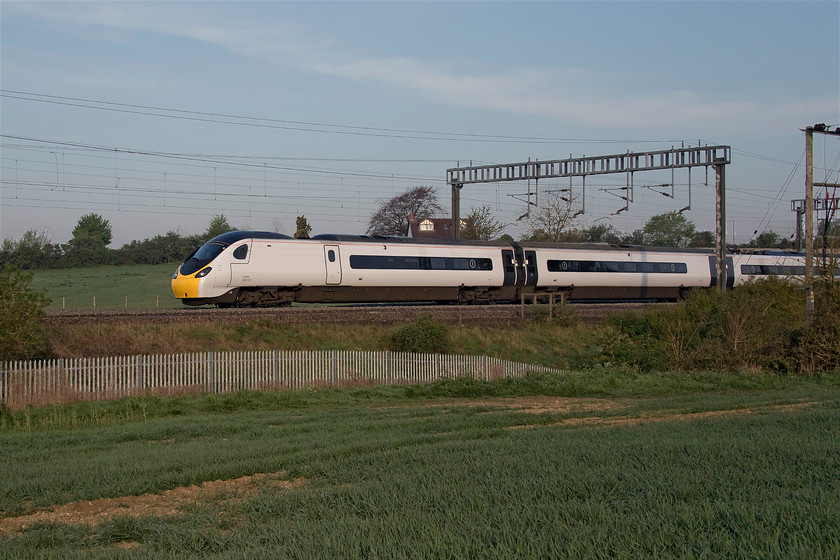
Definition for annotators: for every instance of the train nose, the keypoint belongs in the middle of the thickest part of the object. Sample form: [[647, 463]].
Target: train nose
[[185, 287]]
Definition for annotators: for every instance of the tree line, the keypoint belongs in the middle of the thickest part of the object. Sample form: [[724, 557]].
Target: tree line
[[554, 220]]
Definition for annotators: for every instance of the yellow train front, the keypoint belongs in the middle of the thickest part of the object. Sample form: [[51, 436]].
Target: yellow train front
[[205, 277]]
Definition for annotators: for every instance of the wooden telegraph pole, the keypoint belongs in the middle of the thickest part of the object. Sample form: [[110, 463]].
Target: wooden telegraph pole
[[809, 212], [809, 225]]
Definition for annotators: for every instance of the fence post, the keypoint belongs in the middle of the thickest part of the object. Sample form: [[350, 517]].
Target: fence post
[[275, 369], [139, 379], [334, 368], [211, 381], [388, 371], [4, 382]]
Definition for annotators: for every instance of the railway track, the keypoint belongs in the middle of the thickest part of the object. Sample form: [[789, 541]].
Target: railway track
[[349, 314]]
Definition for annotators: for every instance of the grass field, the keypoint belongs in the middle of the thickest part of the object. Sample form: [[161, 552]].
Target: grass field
[[588, 466], [113, 287]]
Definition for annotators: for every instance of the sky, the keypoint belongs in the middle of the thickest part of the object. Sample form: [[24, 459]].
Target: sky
[[160, 115]]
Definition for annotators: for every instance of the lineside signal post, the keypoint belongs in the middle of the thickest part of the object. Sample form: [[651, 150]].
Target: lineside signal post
[[675, 158]]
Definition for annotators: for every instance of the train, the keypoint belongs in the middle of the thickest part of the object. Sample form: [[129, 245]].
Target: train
[[265, 269]]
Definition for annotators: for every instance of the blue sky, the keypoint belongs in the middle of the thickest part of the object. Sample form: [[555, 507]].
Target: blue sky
[[134, 110]]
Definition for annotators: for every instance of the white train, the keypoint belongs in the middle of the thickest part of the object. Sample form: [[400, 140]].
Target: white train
[[258, 269]]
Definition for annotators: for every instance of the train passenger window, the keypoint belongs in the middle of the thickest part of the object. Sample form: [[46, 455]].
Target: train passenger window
[[331, 255], [240, 252], [419, 263]]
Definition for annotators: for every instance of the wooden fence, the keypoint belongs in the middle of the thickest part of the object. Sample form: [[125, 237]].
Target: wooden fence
[[66, 380]]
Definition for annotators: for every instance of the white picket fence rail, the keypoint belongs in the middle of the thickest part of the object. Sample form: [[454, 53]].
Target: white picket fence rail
[[60, 381]]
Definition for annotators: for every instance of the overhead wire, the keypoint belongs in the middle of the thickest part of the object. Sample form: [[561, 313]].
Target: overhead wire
[[304, 126]]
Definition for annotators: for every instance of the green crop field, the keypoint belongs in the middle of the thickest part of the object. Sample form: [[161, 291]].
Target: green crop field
[[412, 473], [112, 287]]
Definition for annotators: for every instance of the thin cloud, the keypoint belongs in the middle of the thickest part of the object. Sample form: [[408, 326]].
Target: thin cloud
[[584, 99]]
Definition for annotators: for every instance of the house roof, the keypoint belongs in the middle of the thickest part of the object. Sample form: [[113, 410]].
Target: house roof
[[431, 228]]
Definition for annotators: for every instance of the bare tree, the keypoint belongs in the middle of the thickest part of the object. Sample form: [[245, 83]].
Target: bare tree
[[554, 220], [392, 216], [481, 224]]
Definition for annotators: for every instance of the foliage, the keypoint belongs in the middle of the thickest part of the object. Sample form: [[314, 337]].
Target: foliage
[[170, 248], [21, 308], [34, 249], [481, 224], [553, 220], [217, 226], [603, 233], [423, 335], [86, 251], [768, 240], [93, 226], [88, 247], [391, 218], [670, 229], [820, 341], [703, 238], [752, 327], [302, 228]]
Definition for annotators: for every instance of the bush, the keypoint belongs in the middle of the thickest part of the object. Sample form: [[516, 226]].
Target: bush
[[818, 345], [21, 308], [750, 328], [422, 335]]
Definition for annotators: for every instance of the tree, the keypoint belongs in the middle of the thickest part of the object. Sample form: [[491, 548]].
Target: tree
[[670, 229], [21, 308], [481, 224], [217, 226], [302, 228], [553, 219], [704, 238], [34, 249], [765, 240], [95, 227], [88, 246], [392, 216], [602, 233]]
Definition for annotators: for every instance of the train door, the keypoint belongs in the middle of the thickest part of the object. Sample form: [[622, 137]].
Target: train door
[[333, 262], [240, 273], [509, 264], [531, 272], [730, 272], [519, 262]]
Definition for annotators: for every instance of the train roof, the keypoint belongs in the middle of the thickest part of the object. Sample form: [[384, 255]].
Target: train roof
[[406, 240], [611, 247], [234, 236]]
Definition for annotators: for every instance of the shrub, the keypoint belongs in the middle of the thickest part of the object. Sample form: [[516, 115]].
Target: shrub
[[425, 334], [750, 328], [21, 308], [818, 345]]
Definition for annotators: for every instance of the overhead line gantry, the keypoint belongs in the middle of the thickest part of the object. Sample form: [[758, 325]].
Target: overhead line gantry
[[630, 162]]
